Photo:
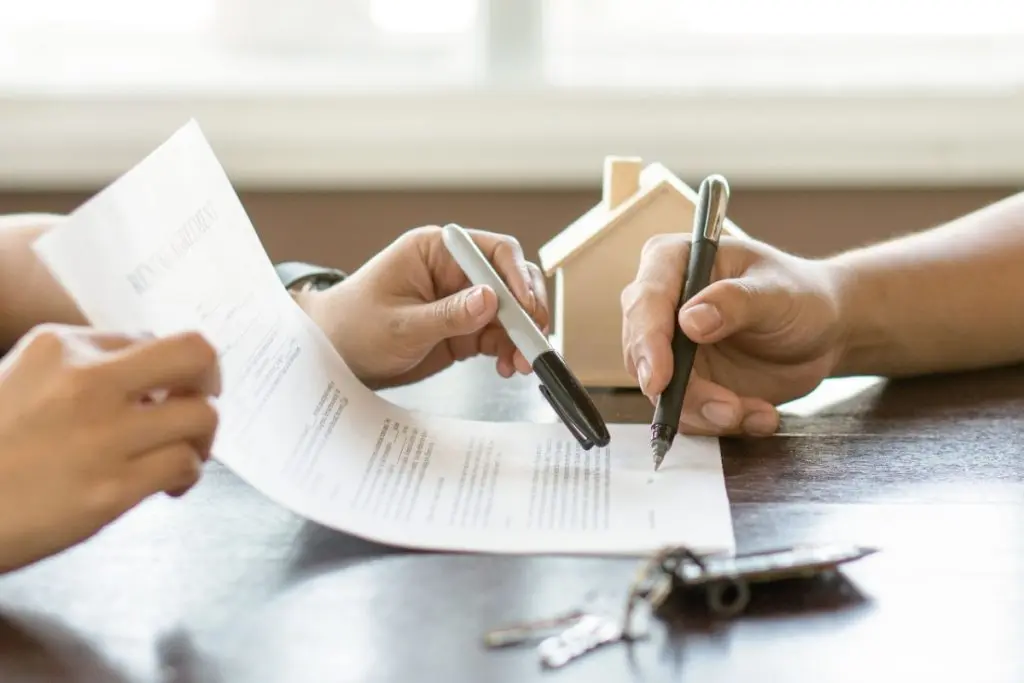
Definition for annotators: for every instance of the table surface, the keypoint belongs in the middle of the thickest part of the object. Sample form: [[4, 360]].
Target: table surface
[[224, 586]]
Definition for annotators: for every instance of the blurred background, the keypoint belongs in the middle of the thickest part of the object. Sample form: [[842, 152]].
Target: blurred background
[[345, 122]]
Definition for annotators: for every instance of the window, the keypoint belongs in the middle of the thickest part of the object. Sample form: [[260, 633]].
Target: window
[[805, 44], [511, 91], [564, 43], [238, 43]]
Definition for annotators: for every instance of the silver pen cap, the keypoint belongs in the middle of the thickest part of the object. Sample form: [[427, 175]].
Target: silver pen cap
[[712, 203]]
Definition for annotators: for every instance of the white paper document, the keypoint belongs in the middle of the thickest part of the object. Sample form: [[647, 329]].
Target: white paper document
[[168, 247]]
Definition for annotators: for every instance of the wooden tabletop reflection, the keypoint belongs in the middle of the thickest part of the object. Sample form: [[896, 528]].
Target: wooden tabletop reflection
[[224, 586]]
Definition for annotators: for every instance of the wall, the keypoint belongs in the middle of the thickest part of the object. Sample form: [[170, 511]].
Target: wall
[[343, 229]]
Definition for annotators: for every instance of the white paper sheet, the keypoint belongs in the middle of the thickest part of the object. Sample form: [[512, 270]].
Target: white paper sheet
[[169, 247]]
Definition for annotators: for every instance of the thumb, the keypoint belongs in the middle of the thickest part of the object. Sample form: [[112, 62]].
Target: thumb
[[729, 306], [461, 313]]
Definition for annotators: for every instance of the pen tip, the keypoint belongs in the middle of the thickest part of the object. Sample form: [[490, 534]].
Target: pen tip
[[660, 448]]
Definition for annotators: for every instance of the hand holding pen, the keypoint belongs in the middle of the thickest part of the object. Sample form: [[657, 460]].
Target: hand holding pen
[[708, 219]]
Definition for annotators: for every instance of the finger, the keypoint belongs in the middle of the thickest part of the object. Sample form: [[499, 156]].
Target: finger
[[184, 362], [510, 359], [494, 341], [648, 309], [663, 262], [203, 444], [542, 311], [148, 426], [463, 313], [465, 346], [86, 344], [504, 367], [710, 407], [759, 419], [712, 410], [491, 341], [729, 306], [108, 341], [507, 256], [508, 354], [174, 469], [520, 363]]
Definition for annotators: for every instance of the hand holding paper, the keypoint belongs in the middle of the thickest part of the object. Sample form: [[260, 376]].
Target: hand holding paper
[[172, 249], [72, 388]]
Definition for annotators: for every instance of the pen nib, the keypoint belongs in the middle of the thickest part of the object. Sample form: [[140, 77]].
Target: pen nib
[[659, 448], [661, 441]]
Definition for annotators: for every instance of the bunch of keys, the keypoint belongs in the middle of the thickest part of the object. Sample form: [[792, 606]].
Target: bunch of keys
[[725, 581]]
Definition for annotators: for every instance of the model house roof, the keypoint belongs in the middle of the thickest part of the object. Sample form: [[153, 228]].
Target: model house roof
[[601, 220]]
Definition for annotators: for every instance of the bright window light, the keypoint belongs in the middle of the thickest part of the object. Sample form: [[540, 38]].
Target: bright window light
[[423, 17], [107, 16], [788, 17], [664, 45]]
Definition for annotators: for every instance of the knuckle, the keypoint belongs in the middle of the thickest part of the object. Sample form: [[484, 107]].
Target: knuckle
[[636, 295], [628, 348], [206, 417], [179, 470], [46, 339], [512, 242], [740, 291], [659, 244], [199, 348], [421, 232], [509, 247], [106, 498], [188, 469], [448, 312], [398, 326], [627, 298], [76, 384]]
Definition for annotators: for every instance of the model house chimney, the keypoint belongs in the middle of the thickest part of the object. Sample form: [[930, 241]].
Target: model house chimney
[[621, 179]]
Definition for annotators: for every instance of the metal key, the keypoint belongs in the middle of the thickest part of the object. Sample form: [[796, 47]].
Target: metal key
[[590, 632], [516, 634]]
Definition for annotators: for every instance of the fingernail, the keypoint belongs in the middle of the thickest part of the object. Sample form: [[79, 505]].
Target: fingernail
[[759, 423], [643, 373], [475, 302], [719, 414], [702, 318]]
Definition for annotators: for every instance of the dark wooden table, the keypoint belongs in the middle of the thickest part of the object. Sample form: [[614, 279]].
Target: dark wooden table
[[223, 586]]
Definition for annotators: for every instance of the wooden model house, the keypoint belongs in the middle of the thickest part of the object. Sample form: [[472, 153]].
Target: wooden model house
[[597, 256]]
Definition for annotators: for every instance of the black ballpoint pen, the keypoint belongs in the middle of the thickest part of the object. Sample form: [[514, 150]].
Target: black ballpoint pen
[[708, 219]]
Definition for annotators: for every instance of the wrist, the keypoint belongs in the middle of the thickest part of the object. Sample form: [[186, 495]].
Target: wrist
[[318, 305], [311, 286], [310, 301], [329, 309], [862, 331]]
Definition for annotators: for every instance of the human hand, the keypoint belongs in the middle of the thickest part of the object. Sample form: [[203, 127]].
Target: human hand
[[768, 325], [92, 423], [410, 311]]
